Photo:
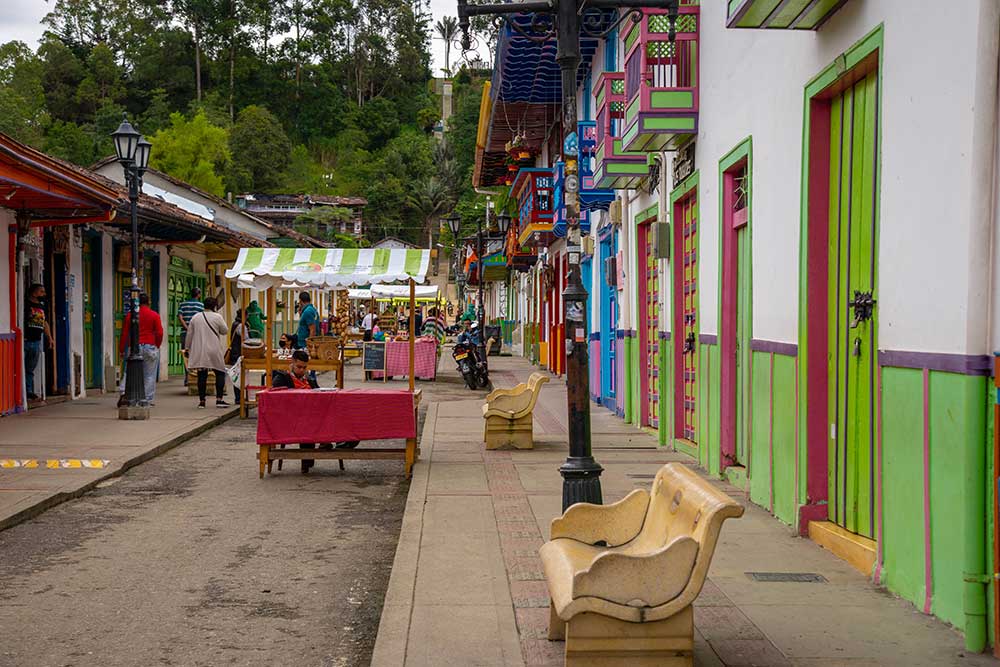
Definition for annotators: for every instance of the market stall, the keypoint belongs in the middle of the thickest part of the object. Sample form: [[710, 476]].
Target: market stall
[[294, 416]]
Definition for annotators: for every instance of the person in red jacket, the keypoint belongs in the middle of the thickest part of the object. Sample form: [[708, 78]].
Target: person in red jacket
[[150, 339]]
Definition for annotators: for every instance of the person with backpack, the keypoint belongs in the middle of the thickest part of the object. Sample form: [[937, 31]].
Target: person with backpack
[[206, 351]]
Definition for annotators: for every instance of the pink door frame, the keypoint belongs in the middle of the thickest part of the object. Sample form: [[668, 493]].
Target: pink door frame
[[817, 179], [643, 238], [731, 223]]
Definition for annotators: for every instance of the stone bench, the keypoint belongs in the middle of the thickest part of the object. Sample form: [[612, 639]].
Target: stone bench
[[508, 414], [622, 577]]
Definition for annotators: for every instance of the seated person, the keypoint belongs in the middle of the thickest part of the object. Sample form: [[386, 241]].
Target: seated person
[[298, 377]]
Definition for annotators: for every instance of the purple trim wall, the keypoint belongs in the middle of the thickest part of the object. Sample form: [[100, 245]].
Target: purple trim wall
[[664, 335], [708, 339], [774, 347], [964, 364]]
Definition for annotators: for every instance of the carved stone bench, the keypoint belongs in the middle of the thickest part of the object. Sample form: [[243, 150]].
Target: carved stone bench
[[622, 577], [508, 414]]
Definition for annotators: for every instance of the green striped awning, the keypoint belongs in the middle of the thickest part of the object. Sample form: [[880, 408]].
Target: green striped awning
[[262, 268]]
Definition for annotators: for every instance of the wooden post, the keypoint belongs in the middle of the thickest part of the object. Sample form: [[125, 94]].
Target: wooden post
[[269, 332], [413, 304], [244, 296]]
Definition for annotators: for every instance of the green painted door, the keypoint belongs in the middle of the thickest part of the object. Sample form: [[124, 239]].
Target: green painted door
[[180, 281], [743, 324], [852, 283], [93, 368]]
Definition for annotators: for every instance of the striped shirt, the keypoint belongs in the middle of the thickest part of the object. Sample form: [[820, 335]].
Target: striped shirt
[[435, 327], [188, 309]]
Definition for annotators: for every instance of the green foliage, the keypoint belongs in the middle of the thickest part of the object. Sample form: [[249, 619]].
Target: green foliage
[[22, 98], [69, 141], [323, 222], [261, 148], [194, 151]]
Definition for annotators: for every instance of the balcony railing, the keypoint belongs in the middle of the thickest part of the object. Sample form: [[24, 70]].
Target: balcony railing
[[661, 80], [614, 167], [533, 191], [592, 198]]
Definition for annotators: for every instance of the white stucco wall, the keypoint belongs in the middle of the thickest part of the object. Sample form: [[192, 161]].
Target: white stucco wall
[[74, 294], [109, 345], [933, 261]]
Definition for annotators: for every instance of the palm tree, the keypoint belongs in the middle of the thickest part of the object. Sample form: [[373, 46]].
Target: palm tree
[[430, 197], [447, 29]]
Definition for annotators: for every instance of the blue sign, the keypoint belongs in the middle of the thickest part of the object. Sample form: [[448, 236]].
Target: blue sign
[[571, 144]]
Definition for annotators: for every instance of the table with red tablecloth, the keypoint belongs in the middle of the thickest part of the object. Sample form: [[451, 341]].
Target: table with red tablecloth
[[293, 416], [397, 359]]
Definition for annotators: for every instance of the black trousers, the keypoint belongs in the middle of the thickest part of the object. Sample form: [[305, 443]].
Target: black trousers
[[220, 384]]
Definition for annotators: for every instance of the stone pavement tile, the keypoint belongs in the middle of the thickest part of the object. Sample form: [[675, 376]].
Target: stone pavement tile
[[538, 652], [704, 655], [525, 569], [464, 445], [533, 622], [742, 590], [725, 623], [460, 569], [529, 594], [546, 508], [458, 514], [540, 477], [748, 653], [460, 409], [712, 596], [456, 477], [838, 662], [458, 457], [468, 635], [520, 547], [470, 427], [890, 631]]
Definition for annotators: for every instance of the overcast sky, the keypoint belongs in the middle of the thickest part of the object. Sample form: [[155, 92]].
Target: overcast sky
[[21, 19]]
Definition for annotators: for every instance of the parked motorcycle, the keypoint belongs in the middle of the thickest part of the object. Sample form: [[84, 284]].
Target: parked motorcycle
[[470, 364]]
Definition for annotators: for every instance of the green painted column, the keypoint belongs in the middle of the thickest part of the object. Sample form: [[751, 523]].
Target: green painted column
[[975, 578]]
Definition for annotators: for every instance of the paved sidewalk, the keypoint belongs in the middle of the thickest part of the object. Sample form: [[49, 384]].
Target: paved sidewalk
[[89, 430], [467, 586]]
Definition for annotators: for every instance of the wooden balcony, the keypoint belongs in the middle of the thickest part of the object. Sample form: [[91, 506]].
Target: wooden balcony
[[614, 167], [661, 80], [592, 198], [781, 14], [533, 191]]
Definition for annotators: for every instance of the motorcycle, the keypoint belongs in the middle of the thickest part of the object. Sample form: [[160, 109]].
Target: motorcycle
[[470, 365]]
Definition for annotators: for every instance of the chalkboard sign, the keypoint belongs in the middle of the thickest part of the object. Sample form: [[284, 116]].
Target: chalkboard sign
[[373, 357]]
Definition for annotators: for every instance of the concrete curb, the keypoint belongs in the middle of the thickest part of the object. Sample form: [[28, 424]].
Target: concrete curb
[[397, 609], [154, 451]]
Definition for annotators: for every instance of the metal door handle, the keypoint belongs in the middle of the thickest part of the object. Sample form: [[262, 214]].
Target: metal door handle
[[863, 305]]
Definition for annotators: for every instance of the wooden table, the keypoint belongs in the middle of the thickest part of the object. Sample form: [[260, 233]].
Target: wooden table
[[294, 416]]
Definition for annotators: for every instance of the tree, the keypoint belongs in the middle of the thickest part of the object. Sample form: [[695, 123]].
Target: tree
[[22, 98], [324, 223], [194, 151], [70, 142], [103, 81], [430, 198], [260, 148], [447, 30]]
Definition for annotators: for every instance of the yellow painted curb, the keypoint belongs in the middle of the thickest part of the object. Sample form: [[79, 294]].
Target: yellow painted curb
[[54, 464]]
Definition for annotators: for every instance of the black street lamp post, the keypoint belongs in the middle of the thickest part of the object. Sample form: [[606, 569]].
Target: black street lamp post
[[455, 227], [564, 19], [132, 150], [479, 288]]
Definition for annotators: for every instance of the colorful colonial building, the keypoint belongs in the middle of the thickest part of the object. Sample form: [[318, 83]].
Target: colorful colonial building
[[794, 279]]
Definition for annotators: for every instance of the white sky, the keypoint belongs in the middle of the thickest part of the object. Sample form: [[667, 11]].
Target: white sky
[[21, 19]]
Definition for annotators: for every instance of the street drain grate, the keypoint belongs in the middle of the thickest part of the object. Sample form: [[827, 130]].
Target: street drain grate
[[796, 577]]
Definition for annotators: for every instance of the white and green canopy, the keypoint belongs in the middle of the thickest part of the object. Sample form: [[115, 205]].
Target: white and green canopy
[[262, 268]]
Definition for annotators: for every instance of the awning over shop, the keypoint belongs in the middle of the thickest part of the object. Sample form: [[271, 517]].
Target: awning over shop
[[262, 268], [421, 292]]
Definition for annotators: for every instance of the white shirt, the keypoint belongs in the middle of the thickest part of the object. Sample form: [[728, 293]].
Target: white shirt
[[366, 323]]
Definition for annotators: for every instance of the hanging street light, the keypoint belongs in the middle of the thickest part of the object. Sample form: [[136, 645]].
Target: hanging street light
[[132, 151], [564, 19]]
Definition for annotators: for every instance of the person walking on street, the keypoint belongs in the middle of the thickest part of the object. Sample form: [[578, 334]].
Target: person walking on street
[[206, 351], [150, 340], [238, 332], [35, 328], [308, 319], [185, 311]]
